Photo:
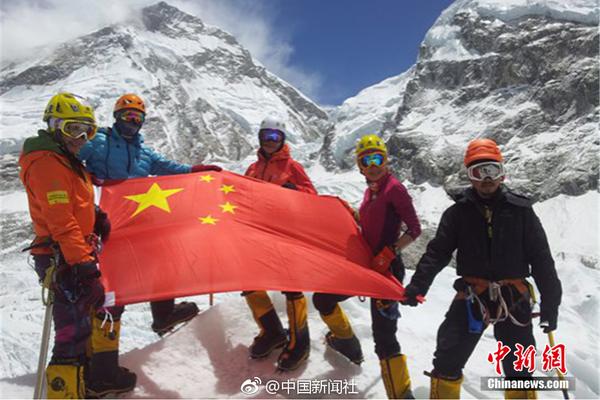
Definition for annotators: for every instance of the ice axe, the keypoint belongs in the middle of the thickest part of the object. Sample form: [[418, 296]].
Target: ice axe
[[560, 374], [48, 300]]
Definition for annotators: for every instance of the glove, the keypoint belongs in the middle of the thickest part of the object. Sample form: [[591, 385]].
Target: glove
[[381, 262], [204, 168], [102, 225], [411, 292], [80, 282], [290, 185], [548, 320]]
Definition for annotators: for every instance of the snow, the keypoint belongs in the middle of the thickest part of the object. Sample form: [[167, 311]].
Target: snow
[[443, 38], [209, 356]]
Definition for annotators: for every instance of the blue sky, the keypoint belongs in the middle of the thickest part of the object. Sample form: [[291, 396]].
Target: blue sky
[[353, 44], [329, 49]]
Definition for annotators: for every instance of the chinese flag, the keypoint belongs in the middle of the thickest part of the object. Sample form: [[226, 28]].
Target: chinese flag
[[182, 235]]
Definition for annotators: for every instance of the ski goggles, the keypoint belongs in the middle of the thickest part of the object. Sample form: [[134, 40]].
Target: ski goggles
[[136, 117], [376, 159], [76, 129], [490, 169], [270, 135]]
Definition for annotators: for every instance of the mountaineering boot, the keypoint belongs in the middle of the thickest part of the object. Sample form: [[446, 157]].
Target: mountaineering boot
[[64, 379], [167, 314], [349, 348], [297, 348], [272, 335], [341, 338], [396, 379], [520, 394], [106, 377], [443, 387]]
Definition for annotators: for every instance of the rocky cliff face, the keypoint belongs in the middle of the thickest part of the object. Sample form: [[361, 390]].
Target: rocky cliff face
[[205, 93], [527, 79]]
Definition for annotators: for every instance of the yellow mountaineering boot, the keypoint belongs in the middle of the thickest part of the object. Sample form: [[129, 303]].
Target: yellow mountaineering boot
[[444, 388], [520, 394], [341, 338], [106, 377], [65, 379], [272, 335], [298, 347], [396, 378]]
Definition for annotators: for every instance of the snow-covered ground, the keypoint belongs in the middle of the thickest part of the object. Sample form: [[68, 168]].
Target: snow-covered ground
[[208, 358]]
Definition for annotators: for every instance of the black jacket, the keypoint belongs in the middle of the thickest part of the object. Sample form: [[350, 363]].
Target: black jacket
[[517, 248]]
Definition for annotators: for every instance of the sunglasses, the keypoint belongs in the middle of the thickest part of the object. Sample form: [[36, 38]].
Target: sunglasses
[[137, 117], [76, 129], [376, 159], [492, 170], [270, 135]]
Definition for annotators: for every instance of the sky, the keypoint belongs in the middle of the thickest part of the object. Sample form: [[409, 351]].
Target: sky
[[330, 50]]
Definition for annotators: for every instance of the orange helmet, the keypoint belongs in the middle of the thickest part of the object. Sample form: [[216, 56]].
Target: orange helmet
[[130, 101], [482, 149]]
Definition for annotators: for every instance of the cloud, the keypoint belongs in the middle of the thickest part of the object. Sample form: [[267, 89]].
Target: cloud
[[30, 24]]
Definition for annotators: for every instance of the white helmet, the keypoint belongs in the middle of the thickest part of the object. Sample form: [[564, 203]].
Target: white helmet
[[273, 122]]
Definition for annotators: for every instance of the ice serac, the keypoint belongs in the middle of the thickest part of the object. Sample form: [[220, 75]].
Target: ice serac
[[523, 73], [205, 93]]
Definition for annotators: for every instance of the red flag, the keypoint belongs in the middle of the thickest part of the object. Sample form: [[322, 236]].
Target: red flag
[[182, 235]]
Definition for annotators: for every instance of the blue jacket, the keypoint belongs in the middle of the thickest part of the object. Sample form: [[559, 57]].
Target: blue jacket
[[109, 156]]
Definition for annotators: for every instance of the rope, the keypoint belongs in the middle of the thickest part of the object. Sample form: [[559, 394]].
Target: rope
[[47, 291], [107, 316], [502, 314]]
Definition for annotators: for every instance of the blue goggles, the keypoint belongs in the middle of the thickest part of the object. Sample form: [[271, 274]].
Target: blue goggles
[[376, 159], [270, 135]]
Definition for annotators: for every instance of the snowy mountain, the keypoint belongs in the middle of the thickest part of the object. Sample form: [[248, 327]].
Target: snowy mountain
[[205, 93], [523, 73]]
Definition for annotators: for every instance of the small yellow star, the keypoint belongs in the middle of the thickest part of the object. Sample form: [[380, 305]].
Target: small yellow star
[[227, 189], [208, 220], [228, 207], [155, 196], [207, 178]]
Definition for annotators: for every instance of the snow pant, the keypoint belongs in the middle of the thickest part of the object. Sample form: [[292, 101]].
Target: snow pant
[[72, 319], [384, 328], [456, 342]]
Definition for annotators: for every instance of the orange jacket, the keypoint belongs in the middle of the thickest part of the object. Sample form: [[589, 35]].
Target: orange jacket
[[280, 169], [61, 202]]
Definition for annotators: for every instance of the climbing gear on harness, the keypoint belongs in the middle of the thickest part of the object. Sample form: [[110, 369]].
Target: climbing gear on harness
[[475, 325], [479, 285]]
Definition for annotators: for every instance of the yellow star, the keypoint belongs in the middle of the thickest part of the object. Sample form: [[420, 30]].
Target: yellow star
[[228, 207], [208, 220], [227, 189], [155, 196], [207, 178]]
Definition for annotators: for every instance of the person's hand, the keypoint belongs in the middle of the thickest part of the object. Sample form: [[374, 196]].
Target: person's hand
[[290, 185], [412, 296], [548, 319], [102, 225], [381, 262], [79, 282], [204, 168]]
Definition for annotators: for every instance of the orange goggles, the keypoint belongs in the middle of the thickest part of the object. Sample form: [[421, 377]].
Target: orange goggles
[[137, 117]]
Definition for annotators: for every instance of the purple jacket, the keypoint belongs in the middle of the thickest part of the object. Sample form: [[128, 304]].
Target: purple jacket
[[381, 217]]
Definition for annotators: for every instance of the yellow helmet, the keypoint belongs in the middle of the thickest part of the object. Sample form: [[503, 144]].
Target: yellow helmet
[[370, 143], [67, 106]]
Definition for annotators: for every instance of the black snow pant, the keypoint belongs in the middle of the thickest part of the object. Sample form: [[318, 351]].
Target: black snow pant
[[72, 319], [455, 343], [383, 328]]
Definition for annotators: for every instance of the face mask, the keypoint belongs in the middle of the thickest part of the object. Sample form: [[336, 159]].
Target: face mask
[[127, 130]]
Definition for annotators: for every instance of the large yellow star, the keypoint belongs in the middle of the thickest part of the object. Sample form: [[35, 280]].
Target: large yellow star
[[227, 189], [207, 178], [228, 207], [208, 220], [155, 196]]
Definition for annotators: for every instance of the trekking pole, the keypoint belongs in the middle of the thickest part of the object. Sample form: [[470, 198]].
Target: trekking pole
[[560, 374], [48, 300], [211, 300], [550, 338]]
